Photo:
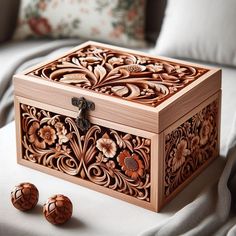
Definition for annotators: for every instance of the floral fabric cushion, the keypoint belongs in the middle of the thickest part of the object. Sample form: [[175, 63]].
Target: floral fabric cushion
[[116, 21]]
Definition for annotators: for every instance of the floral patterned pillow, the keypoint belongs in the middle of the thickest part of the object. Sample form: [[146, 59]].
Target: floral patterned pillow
[[116, 21]]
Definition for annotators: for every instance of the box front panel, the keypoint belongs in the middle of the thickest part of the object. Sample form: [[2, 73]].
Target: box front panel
[[110, 158], [190, 144]]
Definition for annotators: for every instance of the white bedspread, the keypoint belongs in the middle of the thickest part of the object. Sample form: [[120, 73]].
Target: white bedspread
[[95, 213]]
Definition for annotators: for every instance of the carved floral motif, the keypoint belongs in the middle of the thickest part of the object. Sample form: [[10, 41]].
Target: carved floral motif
[[106, 157], [132, 77], [189, 146], [131, 164]]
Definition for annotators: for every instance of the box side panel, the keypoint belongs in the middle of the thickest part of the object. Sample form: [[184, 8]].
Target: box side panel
[[155, 171], [190, 144], [18, 129], [187, 99], [160, 171], [110, 158]]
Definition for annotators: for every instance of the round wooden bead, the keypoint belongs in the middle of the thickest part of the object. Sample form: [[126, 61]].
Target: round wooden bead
[[24, 196], [58, 209]]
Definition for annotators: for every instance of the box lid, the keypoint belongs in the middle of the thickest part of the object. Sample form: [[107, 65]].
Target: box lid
[[127, 86]]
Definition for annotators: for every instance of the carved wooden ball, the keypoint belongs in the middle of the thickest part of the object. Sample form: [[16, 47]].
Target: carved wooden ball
[[24, 196], [58, 209]]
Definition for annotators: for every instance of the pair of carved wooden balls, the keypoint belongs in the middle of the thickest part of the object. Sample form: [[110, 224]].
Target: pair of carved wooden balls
[[58, 209], [24, 196]]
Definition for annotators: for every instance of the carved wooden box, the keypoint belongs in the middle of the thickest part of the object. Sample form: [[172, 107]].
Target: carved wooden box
[[121, 122]]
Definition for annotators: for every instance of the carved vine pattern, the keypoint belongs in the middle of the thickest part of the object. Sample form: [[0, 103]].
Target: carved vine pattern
[[106, 157], [132, 77], [189, 146]]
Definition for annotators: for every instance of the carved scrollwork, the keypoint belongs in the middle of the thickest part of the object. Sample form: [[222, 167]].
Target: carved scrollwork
[[132, 77], [189, 146], [104, 156]]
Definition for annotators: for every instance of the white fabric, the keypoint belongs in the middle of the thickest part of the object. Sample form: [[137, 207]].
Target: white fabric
[[15, 57], [95, 214], [203, 30]]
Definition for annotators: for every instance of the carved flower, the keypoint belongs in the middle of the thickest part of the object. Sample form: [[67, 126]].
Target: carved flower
[[133, 68], [60, 148], [131, 164], [205, 132], [111, 164], [39, 26], [59, 127], [33, 135], [147, 92], [180, 154], [181, 71], [61, 133], [106, 145], [155, 67], [194, 142], [142, 60], [48, 134]]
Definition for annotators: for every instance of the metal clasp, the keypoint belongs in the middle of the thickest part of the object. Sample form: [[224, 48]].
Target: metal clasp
[[84, 106]]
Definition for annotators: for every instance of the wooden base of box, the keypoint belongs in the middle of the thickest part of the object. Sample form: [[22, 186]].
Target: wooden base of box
[[143, 168]]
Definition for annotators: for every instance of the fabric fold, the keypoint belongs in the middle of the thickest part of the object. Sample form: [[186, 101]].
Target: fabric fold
[[210, 213], [25, 60]]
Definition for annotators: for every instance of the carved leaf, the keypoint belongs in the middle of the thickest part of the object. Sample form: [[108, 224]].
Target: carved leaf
[[135, 91], [193, 70], [100, 72], [60, 72], [120, 90], [74, 78], [155, 68], [181, 70], [165, 76], [90, 59], [108, 66], [75, 61], [160, 88], [82, 174], [169, 68]]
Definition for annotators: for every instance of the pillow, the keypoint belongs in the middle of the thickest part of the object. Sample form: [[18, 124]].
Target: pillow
[[115, 21], [199, 29], [8, 17], [154, 10]]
